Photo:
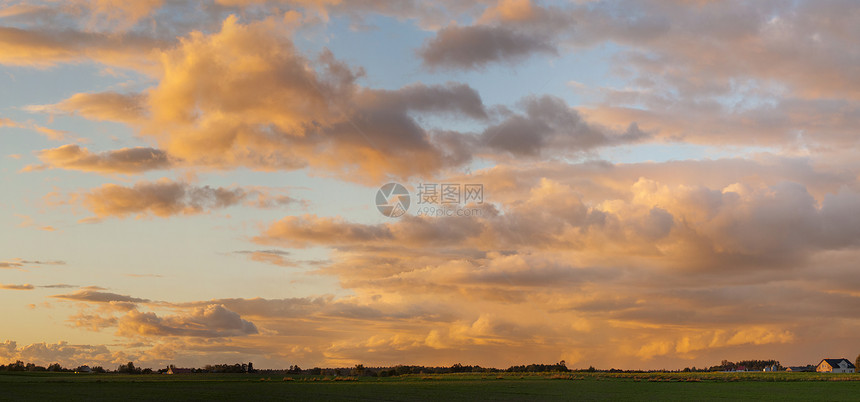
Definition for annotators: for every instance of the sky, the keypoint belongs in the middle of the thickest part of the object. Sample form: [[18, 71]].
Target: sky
[[630, 184]]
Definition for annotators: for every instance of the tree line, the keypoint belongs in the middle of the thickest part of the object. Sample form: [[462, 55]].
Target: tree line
[[55, 367], [389, 371]]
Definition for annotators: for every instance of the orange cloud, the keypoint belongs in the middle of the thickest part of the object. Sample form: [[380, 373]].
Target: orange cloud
[[121, 15], [110, 106], [509, 10], [162, 198], [45, 48], [125, 160], [211, 321], [25, 286]]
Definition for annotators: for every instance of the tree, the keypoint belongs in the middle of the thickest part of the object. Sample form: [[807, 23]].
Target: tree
[[128, 369], [857, 362]]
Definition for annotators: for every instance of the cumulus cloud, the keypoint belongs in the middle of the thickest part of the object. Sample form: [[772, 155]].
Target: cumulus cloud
[[618, 253], [304, 117], [311, 112], [211, 321], [43, 353]]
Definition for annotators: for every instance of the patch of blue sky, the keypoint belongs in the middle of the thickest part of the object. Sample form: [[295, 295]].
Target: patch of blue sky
[[675, 151]]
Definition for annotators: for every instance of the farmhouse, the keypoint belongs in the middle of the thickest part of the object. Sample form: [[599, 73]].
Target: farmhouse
[[176, 370], [800, 369], [835, 366], [83, 369]]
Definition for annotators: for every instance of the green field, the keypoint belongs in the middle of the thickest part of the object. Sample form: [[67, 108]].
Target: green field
[[448, 387]]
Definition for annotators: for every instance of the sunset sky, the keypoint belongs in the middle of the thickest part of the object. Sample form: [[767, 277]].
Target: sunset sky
[[666, 183]]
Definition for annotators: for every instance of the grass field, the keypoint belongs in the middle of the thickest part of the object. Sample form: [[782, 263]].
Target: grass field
[[448, 387]]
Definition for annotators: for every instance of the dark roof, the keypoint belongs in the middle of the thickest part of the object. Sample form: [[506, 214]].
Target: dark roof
[[835, 362]]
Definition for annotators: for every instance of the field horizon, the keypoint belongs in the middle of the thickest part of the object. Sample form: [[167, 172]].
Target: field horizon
[[460, 386]]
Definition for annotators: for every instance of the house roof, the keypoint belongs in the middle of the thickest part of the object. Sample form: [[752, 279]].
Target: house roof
[[835, 362]]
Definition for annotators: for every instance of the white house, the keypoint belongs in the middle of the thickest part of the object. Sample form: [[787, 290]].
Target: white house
[[835, 366]]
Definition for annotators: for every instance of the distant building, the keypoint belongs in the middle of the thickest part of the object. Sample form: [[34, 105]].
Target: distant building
[[773, 367], [800, 369], [83, 369], [835, 366], [176, 370]]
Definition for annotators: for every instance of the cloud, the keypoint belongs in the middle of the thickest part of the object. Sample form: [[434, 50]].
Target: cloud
[[161, 198], [94, 296], [47, 353], [273, 108], [211, 321], [554, 235], [18, 263], [304, 117], [681, 35], [309, 229], [474, 47], [718, 338], [121, 15], [45, 48], [103, 106], [125, 160], [25, 286], [92, 322], [208, 321], [274, 257], [10, 264], [550, 126]]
